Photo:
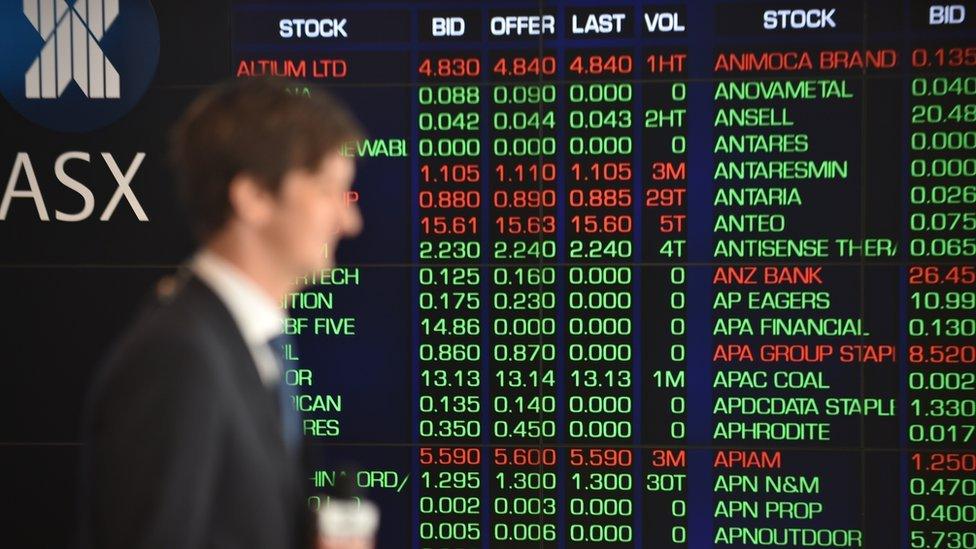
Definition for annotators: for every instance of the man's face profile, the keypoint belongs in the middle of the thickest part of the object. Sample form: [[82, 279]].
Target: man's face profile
[[301, 224], [312, 213]]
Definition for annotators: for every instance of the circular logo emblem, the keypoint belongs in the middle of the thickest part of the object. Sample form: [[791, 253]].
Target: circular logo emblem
[[76, 65]]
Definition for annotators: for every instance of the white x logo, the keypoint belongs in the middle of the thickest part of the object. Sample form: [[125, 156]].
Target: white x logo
[[71, 50]]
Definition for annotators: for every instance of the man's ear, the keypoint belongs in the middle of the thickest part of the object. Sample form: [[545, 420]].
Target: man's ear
[[250, 202]]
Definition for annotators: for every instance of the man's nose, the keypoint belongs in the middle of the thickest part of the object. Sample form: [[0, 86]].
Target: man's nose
[[352, 220]]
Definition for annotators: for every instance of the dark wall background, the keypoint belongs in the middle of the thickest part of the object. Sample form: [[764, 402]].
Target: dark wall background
[[66, 289]]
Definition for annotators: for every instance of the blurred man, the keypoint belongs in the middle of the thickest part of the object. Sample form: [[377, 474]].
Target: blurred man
[[191, 437]]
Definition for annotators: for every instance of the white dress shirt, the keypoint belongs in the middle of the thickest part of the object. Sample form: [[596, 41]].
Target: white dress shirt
[[258, 317]]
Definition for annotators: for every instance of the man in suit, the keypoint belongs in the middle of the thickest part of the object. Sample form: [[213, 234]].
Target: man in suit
[[191, 438]]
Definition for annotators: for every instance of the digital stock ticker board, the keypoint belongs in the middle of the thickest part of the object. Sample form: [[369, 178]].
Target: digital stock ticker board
[[638, 274], [676, 275]]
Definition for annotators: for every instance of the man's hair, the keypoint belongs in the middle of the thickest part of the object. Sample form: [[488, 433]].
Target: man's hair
[[253, 127]]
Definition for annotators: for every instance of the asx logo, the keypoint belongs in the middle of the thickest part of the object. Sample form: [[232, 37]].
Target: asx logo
[[76, 65], [71, 49]]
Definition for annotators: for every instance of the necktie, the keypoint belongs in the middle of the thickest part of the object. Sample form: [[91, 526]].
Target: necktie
[[290, 420]]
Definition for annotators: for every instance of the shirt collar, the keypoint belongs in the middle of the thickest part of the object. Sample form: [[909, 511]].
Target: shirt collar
[[258, 317]]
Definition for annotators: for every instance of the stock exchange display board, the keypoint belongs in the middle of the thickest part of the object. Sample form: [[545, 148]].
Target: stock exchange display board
[[633, 274], [652, 275]]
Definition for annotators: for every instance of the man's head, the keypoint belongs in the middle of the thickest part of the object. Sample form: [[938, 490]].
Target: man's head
[[262, 167]]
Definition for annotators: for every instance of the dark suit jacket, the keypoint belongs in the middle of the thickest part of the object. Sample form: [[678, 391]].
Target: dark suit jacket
[[183, 448]]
